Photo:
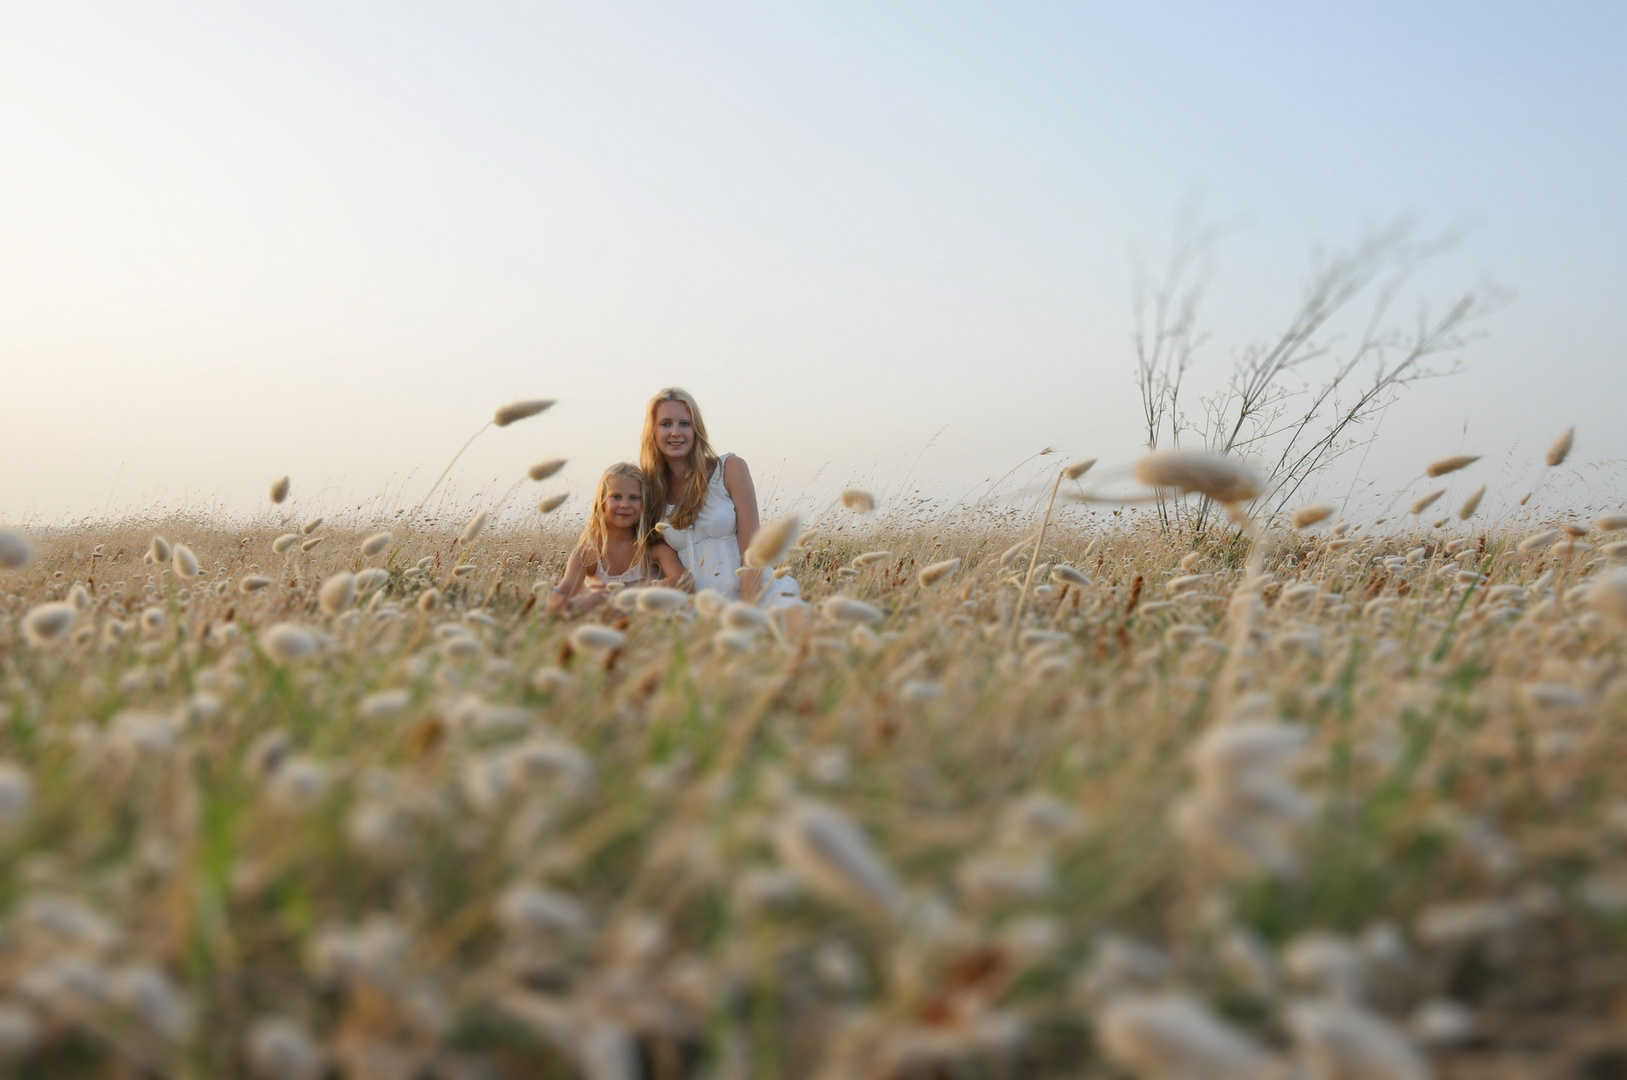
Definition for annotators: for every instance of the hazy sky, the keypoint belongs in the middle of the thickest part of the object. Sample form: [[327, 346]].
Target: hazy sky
[[329, 239]]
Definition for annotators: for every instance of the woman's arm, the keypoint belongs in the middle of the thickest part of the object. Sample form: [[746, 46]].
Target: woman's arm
[[672, 567], [737, 480]]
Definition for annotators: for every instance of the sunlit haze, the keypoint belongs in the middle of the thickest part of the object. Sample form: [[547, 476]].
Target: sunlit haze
[[886, 245]]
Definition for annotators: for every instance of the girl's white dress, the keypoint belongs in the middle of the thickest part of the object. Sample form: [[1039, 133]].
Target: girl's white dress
[[633, 575], [710, 548]]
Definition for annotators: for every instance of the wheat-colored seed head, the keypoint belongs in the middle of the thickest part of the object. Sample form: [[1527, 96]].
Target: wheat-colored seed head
[[542, 470], [1425, 502], [473, 529], [848, 610], [1472, 503], [520, 410], [252, 583], [279, 489], [552, 503], [284, 543], [1306, 516], [861, 502], [287, 642], [47, 623], [661, 598], [311, 525], [871, 558], [596, 638], [374, 577], [307, 545], [1538, 541], [1174, 1037], [1078, 468], [337, 593], [828, 852], [376, 543], [1608, 596], [429, 600], [159, 550], [1560, 450], [1226, 480], [185, 563], [15, 550], [936, 572], [1611, 522], [738, 615], [772, 542], [1450, 464]]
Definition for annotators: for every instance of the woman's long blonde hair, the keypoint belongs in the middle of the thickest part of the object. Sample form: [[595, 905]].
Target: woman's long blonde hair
[[687, 502], [595, 540]]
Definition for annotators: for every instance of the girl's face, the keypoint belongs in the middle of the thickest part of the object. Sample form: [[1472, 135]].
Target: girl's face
[[674, 429], [623, 502]]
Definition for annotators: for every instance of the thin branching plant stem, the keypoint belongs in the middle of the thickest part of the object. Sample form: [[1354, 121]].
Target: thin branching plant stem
[[448, 468], [1033, 561]]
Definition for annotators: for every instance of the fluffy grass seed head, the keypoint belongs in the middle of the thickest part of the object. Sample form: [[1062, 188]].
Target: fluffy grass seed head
[[825, 849], [159, 550], [594, 638], [287, 642], [1068, 575], [1608, 596], [661, 598], [15, 550], [473, 529], [279, 489], [1339, 1040], [1472, 503], [860, 502], [542, 470], [520, 410], [1306, 516], [48, 623], [311, 525], [936, 572], [284, 543], [773, 542], [429, 600], [374, 577], [845, 609], [1424, 502], [252, 583], [1450, 464], [870, 558], [552, 503], [185, 563], [1174, 1037], [1605, 523], [376, 543], [1561, 449], [337, 593], [1078, 468], [1225, 479]]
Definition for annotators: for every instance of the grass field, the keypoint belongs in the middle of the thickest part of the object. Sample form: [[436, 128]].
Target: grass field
[[1363, 815]]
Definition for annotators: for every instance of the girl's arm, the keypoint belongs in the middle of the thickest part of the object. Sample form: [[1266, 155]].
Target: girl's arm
[[672, 567], [737, 481], [571, 583]]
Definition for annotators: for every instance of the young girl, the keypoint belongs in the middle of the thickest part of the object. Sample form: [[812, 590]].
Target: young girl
[[617, 547]]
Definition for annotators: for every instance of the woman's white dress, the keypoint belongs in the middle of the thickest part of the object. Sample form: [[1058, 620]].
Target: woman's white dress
[[710, 548]]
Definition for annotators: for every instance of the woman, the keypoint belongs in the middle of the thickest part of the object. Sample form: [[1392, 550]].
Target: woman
[[709, 503]]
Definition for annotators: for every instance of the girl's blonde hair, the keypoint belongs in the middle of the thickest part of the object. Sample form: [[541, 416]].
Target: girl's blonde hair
[[688, 500], [595, 539]]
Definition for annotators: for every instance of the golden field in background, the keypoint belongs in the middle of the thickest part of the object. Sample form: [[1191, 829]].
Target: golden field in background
[[1361, 814]]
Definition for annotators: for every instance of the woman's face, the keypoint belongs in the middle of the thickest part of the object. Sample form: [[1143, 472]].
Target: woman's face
[[623, 502], [674, 429]]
